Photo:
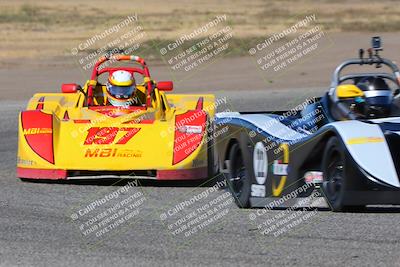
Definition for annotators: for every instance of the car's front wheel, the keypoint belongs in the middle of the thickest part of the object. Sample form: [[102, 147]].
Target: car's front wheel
[[334, 166], [237, 178], [336, 183]]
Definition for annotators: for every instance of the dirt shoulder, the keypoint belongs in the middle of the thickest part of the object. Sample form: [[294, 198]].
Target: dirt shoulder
[[52, 28], [224, 74]]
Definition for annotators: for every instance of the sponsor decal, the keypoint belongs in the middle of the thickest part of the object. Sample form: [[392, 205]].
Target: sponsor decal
[[260, 163], [277, 189], [279, 168], [26, 162], [112, 153], [313, 177], [191, 129], [38, 131], [364, 140], [258, 190]]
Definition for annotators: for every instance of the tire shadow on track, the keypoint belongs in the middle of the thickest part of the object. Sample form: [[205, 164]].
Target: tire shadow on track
[[193, 183]]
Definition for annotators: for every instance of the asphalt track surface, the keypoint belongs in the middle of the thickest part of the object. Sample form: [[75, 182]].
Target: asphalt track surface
[[37, 229]]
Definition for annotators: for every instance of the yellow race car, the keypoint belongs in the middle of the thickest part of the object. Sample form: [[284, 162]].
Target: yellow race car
[[78, 134]]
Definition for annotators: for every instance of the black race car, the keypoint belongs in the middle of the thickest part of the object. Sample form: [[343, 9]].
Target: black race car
[[342, 148]]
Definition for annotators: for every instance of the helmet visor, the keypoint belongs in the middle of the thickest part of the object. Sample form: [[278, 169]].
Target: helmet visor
[[379, 97], [121, 92]]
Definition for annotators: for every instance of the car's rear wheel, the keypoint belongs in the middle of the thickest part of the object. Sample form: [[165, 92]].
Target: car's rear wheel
[[238, 180]]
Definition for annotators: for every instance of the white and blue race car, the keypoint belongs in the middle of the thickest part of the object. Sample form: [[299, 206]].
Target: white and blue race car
[[342, 148]]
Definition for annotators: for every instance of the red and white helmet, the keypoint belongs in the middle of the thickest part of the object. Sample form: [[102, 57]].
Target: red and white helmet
[[120, 88]]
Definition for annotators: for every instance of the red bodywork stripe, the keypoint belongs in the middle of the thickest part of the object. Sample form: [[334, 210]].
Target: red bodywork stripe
[[40, 104], [189, 174], [41, 173], [37, 129], [186, 143], [66, 116], [82, 121], [138, 121], [149, 121], [199, 105]]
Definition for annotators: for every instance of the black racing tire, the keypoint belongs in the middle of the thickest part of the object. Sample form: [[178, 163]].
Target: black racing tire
[[336, 184], [358, 208], [238, 181], [334, 173]]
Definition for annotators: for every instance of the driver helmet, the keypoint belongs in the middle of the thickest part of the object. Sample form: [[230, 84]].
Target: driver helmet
[[378, 97], [120, 88], [352, 97]]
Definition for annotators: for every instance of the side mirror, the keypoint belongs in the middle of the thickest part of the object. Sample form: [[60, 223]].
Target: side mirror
[[165, 86], [69, 88]]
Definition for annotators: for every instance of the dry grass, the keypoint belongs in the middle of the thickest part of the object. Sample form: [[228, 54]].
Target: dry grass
[[52, 27]]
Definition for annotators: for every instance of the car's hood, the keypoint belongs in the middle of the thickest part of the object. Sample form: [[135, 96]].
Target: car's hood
[[368, 145]]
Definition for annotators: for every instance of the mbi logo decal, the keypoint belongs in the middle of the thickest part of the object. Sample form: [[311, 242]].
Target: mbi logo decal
[[38, 131], [112, 152]]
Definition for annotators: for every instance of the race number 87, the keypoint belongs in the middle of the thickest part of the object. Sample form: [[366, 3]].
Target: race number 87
[[106, 135]]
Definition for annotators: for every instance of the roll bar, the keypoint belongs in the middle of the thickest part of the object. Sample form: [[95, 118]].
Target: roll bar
[[363, 61], [362, 75], [372, 59], [96, 72]]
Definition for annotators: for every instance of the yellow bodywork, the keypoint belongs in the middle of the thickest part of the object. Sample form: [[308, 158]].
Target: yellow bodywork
[[150, 148]]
